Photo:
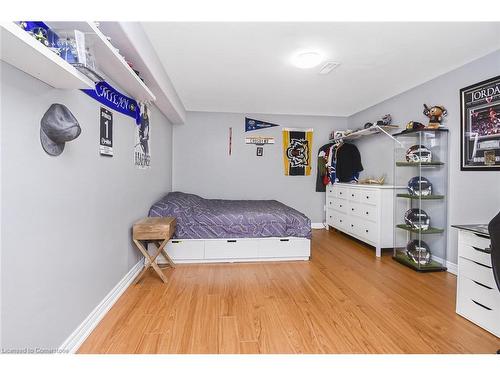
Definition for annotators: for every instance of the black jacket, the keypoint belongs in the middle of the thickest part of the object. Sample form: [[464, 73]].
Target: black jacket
[[348, 162]]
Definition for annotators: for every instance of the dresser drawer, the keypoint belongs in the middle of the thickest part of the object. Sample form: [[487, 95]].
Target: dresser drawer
[[330, 190], [341, 205], [330, 202], [478, 313], [367, 229], [474, 253], [354, 209], [485, 295], [366, 212], [341, 192], [476, 271], [330, 217], [341, 221], [369, 197], [354, 195]]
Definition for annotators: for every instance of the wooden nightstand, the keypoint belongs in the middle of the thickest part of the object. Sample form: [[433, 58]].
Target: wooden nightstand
[[157, 230]]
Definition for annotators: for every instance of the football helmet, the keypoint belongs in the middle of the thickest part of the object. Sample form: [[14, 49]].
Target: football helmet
[[414, 125], [418, 153], [419, 252], [417, 219], [419, 186]]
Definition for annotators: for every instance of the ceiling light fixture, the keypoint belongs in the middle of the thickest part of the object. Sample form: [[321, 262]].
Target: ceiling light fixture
[[307, 60]]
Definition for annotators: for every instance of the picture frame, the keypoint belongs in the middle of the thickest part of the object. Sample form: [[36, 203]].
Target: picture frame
[[480, 126], [260, 151]]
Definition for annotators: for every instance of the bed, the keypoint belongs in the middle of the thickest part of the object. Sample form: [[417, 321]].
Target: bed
[[216, 230]]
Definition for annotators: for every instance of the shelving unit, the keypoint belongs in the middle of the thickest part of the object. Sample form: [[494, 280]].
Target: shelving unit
[[108, 60], [375, 129], [21, 50], [410, 243]]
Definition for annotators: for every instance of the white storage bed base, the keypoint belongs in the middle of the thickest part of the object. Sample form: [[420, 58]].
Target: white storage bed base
[[238, 250]]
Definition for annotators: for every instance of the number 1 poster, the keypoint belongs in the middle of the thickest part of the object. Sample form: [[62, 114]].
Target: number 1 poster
[[106, 132]]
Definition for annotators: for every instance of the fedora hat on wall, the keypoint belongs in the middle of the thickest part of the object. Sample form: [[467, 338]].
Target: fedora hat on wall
[[58, 126]]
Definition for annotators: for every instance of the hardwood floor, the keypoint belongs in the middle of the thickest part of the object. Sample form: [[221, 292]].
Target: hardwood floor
[[343, 301]]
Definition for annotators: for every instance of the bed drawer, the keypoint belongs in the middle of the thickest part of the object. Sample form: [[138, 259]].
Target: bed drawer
[[231, 249], [184, 249], [476, 271], [284, 248]]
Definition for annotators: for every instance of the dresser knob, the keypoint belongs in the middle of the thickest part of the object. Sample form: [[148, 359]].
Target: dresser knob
[[367, 212], [352, 209], [352, 225], [367, 231], [340, 219], [367, 197]]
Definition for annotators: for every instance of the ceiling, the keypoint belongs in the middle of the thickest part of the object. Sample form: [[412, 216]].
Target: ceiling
[[245, 67]]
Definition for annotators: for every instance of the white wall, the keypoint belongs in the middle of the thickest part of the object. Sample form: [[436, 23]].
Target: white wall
[[66, 221], [474, 197], [202, 165]]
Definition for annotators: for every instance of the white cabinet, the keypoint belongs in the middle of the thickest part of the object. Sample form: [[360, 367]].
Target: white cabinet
[[478, 298], [364, 212]]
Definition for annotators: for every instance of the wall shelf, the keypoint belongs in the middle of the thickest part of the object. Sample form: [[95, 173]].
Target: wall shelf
[[108, 60], [375, 129], [20, 49]]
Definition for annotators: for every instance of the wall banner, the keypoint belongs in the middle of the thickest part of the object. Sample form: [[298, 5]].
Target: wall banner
[[142, 148], [107, 95], [251, 124], [297, 144]]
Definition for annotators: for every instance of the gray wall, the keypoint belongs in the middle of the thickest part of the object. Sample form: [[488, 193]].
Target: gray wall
[[65, 228], [202, 165], [474, 197]]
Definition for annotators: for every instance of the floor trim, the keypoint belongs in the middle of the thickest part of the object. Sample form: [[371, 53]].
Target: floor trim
[[450, 267], [79, 335], [318, 225]]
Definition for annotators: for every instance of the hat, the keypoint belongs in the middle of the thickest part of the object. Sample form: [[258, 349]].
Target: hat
[[58, 126]]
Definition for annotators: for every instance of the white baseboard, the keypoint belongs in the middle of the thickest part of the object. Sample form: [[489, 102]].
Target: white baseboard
[[450, 267], [318, 225], [73, 342]]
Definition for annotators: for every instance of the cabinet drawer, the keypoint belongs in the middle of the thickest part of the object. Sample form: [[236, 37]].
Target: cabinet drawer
[[231, 249], [476, 271], [369, 197], [473, 239], [478, 313], [474, 253], [330, 202], [485, 295], [341, 221], [184, 249], [354, 209]]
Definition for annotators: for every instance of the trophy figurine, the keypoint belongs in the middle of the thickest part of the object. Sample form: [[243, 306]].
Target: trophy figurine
[[435, 114]]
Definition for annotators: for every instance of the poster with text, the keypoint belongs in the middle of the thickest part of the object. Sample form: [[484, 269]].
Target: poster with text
[[106, 132], [142, 149]]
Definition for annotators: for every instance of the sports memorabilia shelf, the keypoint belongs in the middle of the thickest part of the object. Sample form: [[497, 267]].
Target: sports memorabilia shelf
[[421, 164]]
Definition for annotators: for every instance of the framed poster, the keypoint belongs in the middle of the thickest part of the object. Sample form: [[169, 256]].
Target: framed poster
[[106, 132], [142, 147], [480, 126]]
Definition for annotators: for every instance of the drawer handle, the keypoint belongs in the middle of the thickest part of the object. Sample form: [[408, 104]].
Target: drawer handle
[[352, 225], [340, 220], [481, 264], [330, 216], [340, 193], [352, 195], [176, 241], [487, 250], [340, 205], [231, 240], [479, 304], [482, 235], [352, 209], [367, 231], [367, 197], [484, 286], [285, 239], [367, 212]]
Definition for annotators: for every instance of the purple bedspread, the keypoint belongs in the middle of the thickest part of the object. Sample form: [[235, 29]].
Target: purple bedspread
[[216, 218]]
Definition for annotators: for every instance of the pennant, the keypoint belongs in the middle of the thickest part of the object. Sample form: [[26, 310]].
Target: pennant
[[107, 95], [252, 124], [297, 144]]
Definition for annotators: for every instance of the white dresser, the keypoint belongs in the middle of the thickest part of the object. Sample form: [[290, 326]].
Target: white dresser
[[362, 211], [478, 298]]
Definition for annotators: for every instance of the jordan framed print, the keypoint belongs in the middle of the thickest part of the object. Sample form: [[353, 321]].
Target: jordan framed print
[[480, 126]]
